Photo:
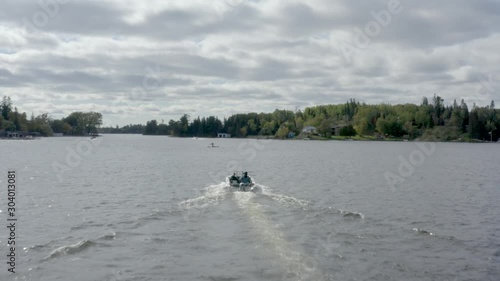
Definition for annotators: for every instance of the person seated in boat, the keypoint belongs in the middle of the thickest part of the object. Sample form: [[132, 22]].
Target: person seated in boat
[[234, 178], [246, 179]]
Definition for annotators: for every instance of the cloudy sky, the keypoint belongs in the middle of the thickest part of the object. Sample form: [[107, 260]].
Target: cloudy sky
[[136, 60]]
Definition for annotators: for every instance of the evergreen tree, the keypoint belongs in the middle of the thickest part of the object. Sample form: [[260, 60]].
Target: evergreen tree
[[6, 107], [151, 128]]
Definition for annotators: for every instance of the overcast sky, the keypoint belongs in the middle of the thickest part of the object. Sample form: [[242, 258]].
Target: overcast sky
[[135, 61]]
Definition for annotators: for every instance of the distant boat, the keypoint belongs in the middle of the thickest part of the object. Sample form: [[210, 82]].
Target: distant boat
[[212, 145]]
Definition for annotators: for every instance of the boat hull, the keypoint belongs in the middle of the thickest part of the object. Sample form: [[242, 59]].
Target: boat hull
[[241, 186]]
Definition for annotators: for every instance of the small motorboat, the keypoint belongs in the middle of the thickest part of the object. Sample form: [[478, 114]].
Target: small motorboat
[[242, 183]]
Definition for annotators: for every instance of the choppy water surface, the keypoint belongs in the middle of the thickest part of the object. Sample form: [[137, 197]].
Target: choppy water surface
[[156, 208]]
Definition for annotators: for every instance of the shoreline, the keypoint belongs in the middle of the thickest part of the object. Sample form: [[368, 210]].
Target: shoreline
[[310, 138]]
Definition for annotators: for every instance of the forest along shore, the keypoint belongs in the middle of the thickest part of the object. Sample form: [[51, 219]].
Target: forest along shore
[[429, 121]]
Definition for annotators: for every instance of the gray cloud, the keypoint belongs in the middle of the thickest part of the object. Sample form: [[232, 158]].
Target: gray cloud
[[138, 61]]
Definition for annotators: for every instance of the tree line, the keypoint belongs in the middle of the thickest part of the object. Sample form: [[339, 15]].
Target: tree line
[[76, 124], [431, 120], [127, 129]]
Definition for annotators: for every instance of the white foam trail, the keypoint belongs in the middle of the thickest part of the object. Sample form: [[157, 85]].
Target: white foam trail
[[70, 249], [288, 201], [297, 265], [421, 231], [352, 214], [211, 197]]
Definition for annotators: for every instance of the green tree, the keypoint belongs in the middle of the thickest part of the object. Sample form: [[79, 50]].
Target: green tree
[[324, 128], [382, 126], [252, 126], [151, 128], [269, 128], [162, 129], [282, 132], [422, 118], [57, 126], [184, 124], [243, 131], [347, 131], [67, 129], [490, 126], [6, 107], [93, 120], [42, 125], [438, 104], [425, 101], [84, 123], [174, 127], [299, 123], [365, 119], [8, 125], [16, 119]]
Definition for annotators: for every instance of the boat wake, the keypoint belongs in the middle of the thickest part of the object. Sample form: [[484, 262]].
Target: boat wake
[[192, 209], [295, 263], [70, 249], [355, 215], [212, 195], [285, 200], [423, 232]]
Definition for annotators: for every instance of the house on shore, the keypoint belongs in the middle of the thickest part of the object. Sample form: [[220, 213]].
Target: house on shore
[[337, 128], [309, 130], [223, 136], [18, 134]]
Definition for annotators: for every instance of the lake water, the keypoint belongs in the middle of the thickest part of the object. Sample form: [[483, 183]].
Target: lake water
[[128, 207]]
